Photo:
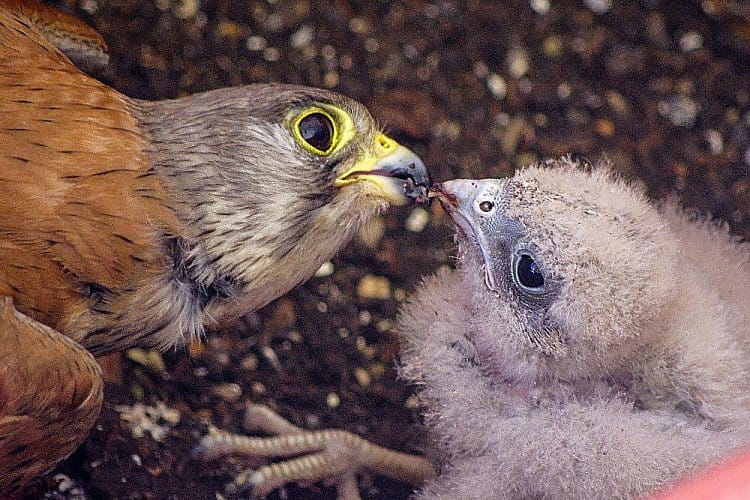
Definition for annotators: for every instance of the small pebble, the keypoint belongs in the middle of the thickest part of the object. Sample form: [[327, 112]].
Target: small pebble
[[364, 348], [271, 54], [540, 120], [692, 40], [518, 62], [371, 45], [249, 362], [147, 358], [680, 110], [326, 269], [564, 90], [274, 22], [222, 358], [273, 359], [358, 25], [497, 86], [599, 6], [185, 9], [362, 376], [256, 43], [617, 102], [228, 392], [328, 52], [229, 29], [417, 220], [330, 79], [552, 46], [333, 400], [605, 128], [541, 7], [302, 37], [715, 141], [374, 287], [384, 325], [364, 318], [481, 70], [377, 370]]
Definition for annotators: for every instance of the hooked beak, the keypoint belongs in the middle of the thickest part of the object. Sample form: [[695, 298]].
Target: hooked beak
[[458, 198], [394, 171]]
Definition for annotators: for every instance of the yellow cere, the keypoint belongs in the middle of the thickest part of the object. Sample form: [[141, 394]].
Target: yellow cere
[[343, 127], [384, 146]]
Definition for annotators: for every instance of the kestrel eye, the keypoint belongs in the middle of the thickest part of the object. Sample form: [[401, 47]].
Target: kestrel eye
[[486, 206], [317, 130], [527, 273]]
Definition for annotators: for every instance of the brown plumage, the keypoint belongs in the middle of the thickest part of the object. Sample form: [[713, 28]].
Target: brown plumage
[[73, 167], [588, 345], [38, 426], [129, 223]]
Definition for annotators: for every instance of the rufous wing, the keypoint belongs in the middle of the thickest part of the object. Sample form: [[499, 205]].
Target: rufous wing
[[50, 397], [83, 212], [81, 43]]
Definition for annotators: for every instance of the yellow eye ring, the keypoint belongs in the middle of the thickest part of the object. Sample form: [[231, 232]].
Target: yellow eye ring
[[316, 130]]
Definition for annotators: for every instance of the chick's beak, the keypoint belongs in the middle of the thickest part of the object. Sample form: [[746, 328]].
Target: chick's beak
[[457, 198], [394, 171]]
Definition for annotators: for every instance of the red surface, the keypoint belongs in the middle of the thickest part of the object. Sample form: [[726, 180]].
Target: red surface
[[727, 480]]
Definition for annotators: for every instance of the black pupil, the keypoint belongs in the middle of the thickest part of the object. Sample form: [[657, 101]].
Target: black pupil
[[528, 273], [317, 130], [486, 206]]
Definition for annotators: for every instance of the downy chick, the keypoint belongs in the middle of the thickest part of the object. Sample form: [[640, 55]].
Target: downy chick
[[588, 345]]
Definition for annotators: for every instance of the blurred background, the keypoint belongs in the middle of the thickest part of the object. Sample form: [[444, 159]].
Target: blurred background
[[478, 89]]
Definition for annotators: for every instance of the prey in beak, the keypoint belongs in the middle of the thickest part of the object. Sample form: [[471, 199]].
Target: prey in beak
[[395, 173]]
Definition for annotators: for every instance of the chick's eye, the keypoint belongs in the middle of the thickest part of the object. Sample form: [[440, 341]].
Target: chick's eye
[[316, 129], [486, 206], [528, 274]]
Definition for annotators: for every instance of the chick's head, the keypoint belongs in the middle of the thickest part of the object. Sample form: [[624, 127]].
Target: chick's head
[[576, 268]]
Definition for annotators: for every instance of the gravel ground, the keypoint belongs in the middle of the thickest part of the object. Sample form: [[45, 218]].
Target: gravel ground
[[477, 89]]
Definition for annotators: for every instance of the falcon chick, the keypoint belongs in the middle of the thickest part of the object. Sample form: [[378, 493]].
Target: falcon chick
[[588, 345], [132, 223]]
